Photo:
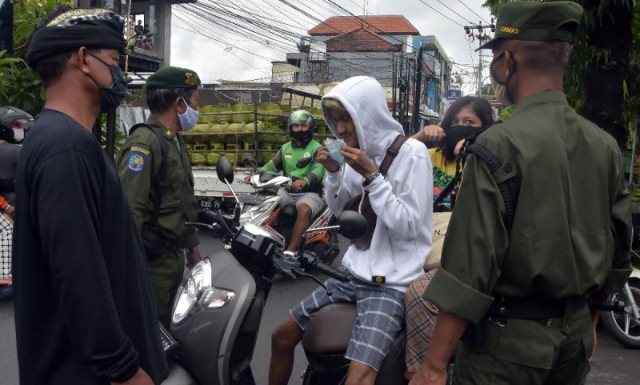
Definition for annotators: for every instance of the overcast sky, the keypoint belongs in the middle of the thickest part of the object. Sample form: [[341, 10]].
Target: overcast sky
[[217, 54]]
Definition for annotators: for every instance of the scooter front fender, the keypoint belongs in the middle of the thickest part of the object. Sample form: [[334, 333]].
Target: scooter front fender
[[206, 337]]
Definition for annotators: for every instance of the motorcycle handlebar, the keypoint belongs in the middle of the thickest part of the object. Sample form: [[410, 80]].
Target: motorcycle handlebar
[[332, 271], [306, 263]]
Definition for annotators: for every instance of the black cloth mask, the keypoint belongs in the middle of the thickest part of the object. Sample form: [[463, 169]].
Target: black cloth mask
[[455, 134], [301, 138], [112, 97]]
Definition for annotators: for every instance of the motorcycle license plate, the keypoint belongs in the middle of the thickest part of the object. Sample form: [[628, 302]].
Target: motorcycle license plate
[[207, 204]]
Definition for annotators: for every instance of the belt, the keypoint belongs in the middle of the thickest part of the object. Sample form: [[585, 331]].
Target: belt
[[533, 308]]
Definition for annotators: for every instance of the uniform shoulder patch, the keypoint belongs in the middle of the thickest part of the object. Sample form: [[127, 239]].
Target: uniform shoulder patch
[[136, 161]]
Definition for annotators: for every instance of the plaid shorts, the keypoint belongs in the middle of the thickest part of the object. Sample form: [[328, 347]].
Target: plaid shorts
[[420, 321], [6, 236], [380, 316]]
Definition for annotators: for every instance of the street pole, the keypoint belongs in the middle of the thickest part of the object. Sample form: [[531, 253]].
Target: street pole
[[415, 117], [480, 70], [482, 37]]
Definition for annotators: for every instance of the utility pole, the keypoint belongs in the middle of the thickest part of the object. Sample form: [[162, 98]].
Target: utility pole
[[482, 37], [415, 117]]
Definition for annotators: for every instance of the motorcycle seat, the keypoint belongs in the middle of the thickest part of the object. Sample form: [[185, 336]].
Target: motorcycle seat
[[340, 318]]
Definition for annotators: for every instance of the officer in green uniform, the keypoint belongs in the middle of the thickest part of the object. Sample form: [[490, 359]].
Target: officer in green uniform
[[306, 189], [156, 175], [519, 291]]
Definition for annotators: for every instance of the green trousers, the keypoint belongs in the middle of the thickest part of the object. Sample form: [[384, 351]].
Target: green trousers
[[166, 275], [529, 352]]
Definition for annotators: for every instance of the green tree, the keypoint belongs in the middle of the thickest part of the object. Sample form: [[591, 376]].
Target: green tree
[[603, 75]]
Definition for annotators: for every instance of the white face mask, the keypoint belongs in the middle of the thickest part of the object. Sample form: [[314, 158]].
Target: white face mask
[[500, 91], [18, 134], [189, 119]]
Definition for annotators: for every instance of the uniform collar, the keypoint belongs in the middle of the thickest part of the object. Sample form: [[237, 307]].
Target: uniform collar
[[543, 97], [167, 133]]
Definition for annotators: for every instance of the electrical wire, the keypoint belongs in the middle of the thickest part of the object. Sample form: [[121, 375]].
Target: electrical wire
[[442, 14], [474, 12], [361, 68], [450, 9]]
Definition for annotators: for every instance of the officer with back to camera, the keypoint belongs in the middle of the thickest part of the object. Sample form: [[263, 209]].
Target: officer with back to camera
[[520, 290]]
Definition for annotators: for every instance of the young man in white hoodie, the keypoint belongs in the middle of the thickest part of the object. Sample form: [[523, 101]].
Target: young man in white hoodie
[[356, 111]]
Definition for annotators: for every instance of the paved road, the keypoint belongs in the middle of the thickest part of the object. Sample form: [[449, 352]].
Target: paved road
[[613, 365]]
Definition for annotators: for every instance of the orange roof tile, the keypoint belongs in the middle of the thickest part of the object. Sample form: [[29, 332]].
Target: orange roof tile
[[382, 25]]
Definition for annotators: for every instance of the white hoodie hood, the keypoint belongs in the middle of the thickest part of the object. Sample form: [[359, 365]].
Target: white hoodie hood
[[365, 101], [402, 200]]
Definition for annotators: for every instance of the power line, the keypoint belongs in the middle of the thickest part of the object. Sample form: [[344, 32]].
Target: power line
[[351, 65], [474, 12], [442, 14], [447, 7]]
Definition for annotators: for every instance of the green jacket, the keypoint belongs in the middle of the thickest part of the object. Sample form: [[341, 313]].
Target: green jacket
[[572, 225], [139, 170], [287, 158]]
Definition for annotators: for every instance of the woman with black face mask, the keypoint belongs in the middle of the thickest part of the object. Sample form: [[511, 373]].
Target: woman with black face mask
[[465, 117]]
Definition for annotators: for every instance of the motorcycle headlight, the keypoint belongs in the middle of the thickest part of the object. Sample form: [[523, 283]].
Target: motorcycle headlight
[[198, 290]]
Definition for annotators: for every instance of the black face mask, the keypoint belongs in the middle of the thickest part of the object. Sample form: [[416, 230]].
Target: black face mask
[[455, 134], [112, 97], [302, 138]]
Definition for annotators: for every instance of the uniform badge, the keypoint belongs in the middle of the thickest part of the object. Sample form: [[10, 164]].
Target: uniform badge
[[136, 161], [306, 155], [288, 154]]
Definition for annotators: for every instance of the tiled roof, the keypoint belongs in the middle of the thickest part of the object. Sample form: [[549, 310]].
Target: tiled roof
[[383, 25], [359, 40]]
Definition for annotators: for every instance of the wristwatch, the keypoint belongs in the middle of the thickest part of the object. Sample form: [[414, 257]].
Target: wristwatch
[[369, 178]]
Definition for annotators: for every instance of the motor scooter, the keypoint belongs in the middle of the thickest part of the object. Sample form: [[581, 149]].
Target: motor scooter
[[218, 307], [268, 213]]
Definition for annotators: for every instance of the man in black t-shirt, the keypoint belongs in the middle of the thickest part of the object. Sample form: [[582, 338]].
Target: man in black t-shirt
[[84, 307]]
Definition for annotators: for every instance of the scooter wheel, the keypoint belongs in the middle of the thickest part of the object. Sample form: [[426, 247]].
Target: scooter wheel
[[622, 325]]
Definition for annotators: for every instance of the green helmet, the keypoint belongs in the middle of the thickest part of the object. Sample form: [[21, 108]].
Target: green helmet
[[301, 117]]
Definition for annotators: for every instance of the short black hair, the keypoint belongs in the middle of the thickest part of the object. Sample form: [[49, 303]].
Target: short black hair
[[160, 99], [480, 107], [50, 68], [544, 57]]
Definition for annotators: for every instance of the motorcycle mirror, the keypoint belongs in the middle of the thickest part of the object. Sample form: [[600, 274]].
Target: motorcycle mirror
[[352, 224], [302, 163], [224, 170], [225, 174]]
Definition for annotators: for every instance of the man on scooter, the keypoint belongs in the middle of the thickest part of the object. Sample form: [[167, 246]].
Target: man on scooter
[[399, 194], [306, 188]]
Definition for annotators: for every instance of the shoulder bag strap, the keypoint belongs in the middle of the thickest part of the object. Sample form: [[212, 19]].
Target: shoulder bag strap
[[392, 152]]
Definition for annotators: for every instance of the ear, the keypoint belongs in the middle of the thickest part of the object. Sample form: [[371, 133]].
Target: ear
[[80, 57], [181, 105]]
